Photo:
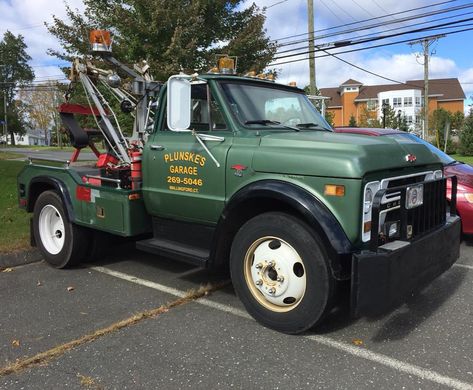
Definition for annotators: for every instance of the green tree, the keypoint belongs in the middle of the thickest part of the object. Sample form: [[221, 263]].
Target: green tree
[[170, 35], [352, 122], [388, 117], [14, 71], [368, 118], [466, 136], [439, 120], [329, 117]]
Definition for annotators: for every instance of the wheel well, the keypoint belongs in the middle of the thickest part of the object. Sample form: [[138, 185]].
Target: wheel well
[[247, 209], [36, 189]]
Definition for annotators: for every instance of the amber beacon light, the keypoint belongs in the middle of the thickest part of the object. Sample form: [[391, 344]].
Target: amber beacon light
[[101, 41]]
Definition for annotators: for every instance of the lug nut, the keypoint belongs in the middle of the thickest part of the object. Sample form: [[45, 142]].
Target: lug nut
[[280, 279], [272, 290], [259, 282], [271, 263], [259, 266]]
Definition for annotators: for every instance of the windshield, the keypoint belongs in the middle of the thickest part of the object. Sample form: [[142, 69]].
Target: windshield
[[270, 106], [446, 159]]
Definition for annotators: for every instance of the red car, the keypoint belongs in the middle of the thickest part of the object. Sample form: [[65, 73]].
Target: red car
[[464, 172]]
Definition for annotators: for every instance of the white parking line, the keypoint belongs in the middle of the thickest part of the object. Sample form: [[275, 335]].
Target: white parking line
[[463, 265], [327, 341]]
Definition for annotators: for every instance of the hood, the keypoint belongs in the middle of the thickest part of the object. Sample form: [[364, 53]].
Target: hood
[[463, 172], [321, 153]]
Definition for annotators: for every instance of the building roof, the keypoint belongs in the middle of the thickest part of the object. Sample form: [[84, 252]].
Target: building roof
[[444, 89], [351, 82]]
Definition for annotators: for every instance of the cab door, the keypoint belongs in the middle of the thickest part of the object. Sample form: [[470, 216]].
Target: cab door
[[180, 178]]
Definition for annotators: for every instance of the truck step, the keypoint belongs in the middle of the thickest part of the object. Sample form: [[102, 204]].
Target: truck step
[[176, 250]]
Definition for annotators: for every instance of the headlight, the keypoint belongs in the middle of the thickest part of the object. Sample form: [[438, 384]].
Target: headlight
[[414, 196], [469, 197], [369, 192], [438, 174], [368, 200]]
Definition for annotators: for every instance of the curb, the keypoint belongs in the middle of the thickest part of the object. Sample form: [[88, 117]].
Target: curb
[[15, 259]]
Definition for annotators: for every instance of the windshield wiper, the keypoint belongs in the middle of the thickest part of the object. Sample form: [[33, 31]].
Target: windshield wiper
[[267, 122], [310, 124]]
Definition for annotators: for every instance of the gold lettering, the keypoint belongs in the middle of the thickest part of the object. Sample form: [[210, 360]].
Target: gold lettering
[[202, 162]]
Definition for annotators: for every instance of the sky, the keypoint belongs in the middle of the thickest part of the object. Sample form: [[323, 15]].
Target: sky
[[452, 55]]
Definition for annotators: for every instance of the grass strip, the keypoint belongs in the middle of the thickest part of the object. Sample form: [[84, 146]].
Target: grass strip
[[14, 226], [53, 353]]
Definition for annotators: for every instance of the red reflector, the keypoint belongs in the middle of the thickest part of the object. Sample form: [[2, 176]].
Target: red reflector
[[83, 193], [23, 202]]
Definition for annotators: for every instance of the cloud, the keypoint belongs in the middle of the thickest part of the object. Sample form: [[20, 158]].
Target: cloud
[[27, 17]]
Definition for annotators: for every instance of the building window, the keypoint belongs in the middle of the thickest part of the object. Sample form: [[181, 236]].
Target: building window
[[397, 102], [409, 119], [372, 105], [408, 102], [418, 119], [385, 102], [418, 102]]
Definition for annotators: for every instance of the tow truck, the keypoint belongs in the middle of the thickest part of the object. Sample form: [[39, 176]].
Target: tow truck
[[223, 170]]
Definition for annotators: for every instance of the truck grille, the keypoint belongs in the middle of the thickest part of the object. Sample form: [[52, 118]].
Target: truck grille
[[389, 207]]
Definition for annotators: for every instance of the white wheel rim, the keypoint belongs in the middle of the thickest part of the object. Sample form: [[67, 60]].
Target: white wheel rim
[[51, 229], [275, 274]]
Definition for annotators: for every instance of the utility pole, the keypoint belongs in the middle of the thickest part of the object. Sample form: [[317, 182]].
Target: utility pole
[[426, 43], [310, 16], [5, 120]]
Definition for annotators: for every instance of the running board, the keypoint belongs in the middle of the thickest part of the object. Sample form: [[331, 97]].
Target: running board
[[175, 250]]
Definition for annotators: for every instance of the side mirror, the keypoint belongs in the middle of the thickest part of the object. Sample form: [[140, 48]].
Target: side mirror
[[179, 103]]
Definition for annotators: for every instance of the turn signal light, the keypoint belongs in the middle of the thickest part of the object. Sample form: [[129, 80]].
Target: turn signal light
[[334, 190]]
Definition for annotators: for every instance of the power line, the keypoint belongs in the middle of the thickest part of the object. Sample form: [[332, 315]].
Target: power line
[[363, 48], [273, 5], [435, 27], [366, 40], [382, 24], [366, 20]]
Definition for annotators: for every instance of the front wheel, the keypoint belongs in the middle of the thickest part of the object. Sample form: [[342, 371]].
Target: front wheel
[[61, 243], [279, 270]]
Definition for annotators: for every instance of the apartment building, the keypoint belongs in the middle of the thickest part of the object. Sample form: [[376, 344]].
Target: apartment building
[[352, 98]]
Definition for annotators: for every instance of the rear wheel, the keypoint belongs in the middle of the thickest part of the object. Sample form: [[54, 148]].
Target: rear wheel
[[61, 242], [279, 270]]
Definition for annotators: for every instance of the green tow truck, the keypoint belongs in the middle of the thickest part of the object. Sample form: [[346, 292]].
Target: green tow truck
[[242, 172]]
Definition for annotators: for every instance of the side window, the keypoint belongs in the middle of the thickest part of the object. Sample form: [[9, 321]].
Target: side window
[[206, 115]]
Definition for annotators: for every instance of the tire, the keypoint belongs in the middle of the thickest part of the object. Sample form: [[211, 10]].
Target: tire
[[61, 242], [278, 251]]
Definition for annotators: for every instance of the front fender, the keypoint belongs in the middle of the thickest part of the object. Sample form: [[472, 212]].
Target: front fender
[[277, 195]]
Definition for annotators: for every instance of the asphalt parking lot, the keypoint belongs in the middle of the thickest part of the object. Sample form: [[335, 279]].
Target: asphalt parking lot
[[91, 328]]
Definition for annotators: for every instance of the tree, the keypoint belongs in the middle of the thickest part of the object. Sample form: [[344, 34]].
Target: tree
[[368, 118], [388, 117], [42, 101], [170, 35], [466, 136], [329, 117], [439, 120], [352, 122], [14, 71]]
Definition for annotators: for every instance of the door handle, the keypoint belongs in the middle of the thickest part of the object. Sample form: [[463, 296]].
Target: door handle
[[157, 147]]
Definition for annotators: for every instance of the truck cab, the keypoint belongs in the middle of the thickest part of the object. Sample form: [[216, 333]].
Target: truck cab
[[244, 173]]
